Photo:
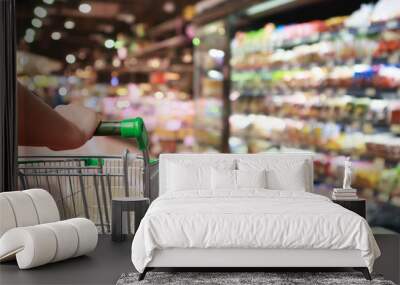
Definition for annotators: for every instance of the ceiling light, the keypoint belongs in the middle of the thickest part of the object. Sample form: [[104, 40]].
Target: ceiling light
[[216, 53], [196, 41], [70, 58], [114, 81], [56, 36], [30, 32], [119, 44], [62, 91], [265, 6], [40, 12], [49, 2], [154, 63], [85, 8], [169, 7], [69, 25], [187, 58], [29, 38], [37, 23], [215, 74], [109, 43], [116, 62]]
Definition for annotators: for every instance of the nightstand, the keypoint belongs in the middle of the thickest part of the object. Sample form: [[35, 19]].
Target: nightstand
[[356, 206], [126, 204]]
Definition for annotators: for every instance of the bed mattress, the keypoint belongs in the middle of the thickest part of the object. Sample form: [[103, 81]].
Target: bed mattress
[[250, 219]]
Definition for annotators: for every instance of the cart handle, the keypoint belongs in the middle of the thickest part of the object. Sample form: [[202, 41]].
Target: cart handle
[[128, 128]]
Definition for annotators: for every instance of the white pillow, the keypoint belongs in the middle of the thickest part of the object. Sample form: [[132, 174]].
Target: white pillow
[[223, 179], [188, 177], [282, 174], [293, 180], [251, 178]]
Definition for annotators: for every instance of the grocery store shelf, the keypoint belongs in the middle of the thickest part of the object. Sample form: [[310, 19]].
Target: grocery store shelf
[[142, 68], [175, 25], [357, 92], [317, 149], [375, 28], [330, 63], [312, 120], [221, 10], [173, 42]]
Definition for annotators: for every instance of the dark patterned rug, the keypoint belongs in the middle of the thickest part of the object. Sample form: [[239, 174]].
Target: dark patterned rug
[[268, 278]]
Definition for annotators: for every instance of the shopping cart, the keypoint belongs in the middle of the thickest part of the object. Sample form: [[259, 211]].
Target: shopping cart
[[85, 185]]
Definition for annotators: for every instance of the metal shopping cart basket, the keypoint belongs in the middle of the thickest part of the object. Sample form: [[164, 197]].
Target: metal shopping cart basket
[[85, 185]]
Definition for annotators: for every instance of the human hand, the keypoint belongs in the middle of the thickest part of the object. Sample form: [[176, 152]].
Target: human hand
[[84, 119], [63, 128]]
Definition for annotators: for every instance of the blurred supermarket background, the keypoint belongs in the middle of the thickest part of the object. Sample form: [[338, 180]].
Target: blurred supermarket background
[[240, 76]]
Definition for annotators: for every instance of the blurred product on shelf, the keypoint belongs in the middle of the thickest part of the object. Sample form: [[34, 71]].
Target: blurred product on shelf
[[384, 77], [385, 10], [33, 64], [209, 86], [325, 137], [395, 119], [330, 34], [347, 112], [208, 122], [360, 18], [331, 87]]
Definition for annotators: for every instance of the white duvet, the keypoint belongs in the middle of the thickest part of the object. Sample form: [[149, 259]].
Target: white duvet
[[250, 219]]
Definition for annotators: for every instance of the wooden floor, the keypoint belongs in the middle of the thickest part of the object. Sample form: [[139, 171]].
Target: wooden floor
[[103, 266]]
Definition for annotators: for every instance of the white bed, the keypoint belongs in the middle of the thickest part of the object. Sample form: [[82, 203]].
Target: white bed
[[280, 225]]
